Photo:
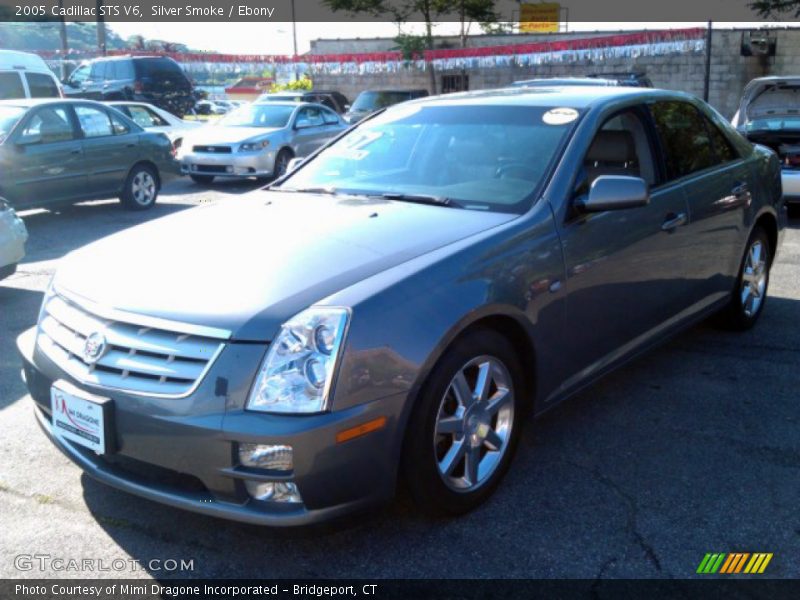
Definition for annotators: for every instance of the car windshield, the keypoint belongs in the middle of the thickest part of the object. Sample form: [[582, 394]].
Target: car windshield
[[258, 115], [375, 100], [777, 123], [475, 157], [9, 115]]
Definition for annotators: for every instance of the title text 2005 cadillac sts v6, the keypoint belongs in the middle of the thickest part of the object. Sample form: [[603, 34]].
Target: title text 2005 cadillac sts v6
[[394, 307]]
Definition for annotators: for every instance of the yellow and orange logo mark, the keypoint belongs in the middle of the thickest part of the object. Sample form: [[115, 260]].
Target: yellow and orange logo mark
[[734, 562]]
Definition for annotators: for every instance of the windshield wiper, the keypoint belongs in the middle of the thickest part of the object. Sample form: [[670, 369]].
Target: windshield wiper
[[421, 199]]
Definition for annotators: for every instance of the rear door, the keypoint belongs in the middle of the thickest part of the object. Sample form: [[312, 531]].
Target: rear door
[[50, 166], [110, 148], [42, 85], [11, 85], [718, 183], [624, 275]]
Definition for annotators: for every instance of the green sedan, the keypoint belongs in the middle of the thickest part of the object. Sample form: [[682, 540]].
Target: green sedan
[[59, 151]]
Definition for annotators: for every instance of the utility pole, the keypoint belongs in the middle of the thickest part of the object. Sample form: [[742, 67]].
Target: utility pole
[[294, 42], [707, 78], [101, 29], [62, 26]]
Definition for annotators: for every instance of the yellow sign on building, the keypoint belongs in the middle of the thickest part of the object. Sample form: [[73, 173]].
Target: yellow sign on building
[[542, 17]]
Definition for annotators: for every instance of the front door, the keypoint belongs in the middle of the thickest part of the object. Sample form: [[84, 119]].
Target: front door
[[310, 131]]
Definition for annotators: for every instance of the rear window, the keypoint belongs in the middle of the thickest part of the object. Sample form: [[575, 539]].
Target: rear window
[[11, 86], [42, 85], [376, 100], [157, 67]]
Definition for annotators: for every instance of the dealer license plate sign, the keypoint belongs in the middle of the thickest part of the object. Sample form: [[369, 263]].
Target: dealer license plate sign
[[78, 418]]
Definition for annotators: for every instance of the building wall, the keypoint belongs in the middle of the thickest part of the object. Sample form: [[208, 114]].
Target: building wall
[[729, 71]]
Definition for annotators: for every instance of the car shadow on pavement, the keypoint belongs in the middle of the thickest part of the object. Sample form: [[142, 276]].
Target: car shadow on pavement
[[19, 309], [642, 471], [185, 186]]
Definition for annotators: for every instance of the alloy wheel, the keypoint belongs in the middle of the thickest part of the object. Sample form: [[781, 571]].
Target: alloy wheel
[[143, 188], [754, 278], [474, 423]]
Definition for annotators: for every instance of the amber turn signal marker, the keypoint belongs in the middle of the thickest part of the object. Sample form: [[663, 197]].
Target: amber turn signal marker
[[359, 430]]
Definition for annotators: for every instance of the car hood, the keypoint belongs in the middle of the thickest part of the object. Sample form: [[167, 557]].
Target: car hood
[[214, 134], [249, 264]]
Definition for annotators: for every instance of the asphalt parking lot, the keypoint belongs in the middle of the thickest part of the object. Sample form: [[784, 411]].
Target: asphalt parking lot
[[693, 448]]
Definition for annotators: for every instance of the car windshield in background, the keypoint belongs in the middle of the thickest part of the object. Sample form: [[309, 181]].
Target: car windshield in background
[[375, 100], [258, 115], [477, 157], [775, 123], [9, 115]]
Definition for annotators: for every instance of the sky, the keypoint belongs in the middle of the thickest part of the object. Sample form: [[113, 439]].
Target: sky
[[276, 38]]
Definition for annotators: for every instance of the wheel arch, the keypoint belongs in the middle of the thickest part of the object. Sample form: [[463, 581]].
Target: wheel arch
[[769, 223]]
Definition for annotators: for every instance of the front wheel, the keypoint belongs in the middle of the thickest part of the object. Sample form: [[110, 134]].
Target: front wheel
[[747, 300], [281, 163], [464, 429], [140, 190]]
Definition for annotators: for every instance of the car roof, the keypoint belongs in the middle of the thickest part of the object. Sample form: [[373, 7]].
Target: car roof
[[559, 81], [287, 103], [30, 102], [22, 61], [572, 96]]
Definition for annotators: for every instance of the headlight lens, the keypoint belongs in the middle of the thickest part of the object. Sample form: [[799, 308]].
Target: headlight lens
[[298, 370], [253, 146]]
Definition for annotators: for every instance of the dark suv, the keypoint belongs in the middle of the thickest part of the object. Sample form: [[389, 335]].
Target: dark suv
[[157, 80], [625, 78], [372, 100]]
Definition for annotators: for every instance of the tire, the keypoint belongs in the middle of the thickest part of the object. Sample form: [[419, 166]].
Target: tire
[[434, 463], [750, 295], [140, 190], [282, 162], [202, 179]]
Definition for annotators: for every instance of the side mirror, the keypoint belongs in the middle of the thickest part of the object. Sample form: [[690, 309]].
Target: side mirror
[[347, 107], [294, 163], [615, 192]]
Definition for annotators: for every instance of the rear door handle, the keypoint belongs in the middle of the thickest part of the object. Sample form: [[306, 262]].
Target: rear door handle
[[674, 221]]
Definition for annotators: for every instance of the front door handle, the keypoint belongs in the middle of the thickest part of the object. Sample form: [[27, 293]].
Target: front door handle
[[740, 189], [673, 221]]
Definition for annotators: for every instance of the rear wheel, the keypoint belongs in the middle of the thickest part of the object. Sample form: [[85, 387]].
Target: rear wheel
[[465, 426], [747, 300], [202, 179], [140, 190]]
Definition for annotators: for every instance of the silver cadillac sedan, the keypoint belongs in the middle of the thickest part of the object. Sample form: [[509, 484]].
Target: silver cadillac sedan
[[257, 140], [399, 305]]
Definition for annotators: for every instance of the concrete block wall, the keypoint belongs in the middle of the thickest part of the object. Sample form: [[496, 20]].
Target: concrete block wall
[[729, 71]]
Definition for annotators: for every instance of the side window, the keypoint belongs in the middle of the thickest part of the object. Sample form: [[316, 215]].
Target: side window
[[309, 117], [144, 117], [11, 86], [120, 127], [49, 124], [621, 147], [111, 70], [125, 69], [42, 85], [80, 74], [330, 117], [724, 150], [94, 122], [98, 71], [685, 139]]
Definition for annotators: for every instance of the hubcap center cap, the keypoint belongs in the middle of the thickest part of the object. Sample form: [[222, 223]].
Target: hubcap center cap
[[477, 430]]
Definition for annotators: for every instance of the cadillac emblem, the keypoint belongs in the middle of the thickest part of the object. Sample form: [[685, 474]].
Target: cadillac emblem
[[94, 347]]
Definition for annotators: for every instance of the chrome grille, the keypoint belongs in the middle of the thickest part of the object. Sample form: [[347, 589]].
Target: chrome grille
[[137, 359]]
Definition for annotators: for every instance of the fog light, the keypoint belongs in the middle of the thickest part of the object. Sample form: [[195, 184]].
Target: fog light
[[265, 456], [273, 491]]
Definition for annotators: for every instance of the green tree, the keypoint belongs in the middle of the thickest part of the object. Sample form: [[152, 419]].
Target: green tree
[[776, 8]]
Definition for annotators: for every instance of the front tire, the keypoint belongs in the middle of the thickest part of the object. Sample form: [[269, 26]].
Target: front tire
[[465, 426], [747, 300], [282, 163], [140, 190]]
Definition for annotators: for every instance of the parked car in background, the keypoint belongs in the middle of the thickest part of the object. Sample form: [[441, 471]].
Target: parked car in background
[[625, 78], [153, 118], [399, 304], [257, 140], [564, 81], [333, 100], [25, 75], [55, 152], [13, 236], [157, 80], [368, 102], [209, 107], [769, 114]]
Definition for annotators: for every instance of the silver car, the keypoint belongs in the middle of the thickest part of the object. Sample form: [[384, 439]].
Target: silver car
[[153, 118], [257, 140], [13, 236]]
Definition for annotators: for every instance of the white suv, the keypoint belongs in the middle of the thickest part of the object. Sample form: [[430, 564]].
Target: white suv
[[24, 75]]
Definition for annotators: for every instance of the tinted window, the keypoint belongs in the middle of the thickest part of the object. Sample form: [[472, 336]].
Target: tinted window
[[157, 67], [120, 127], [42, 85], [125, 69], [725, 152], [258, 115], [483, 157], [94, 122], [309, 117], [329, 117], [11, 86], [686, 142], [144, 117], [99, 70], [111, 70], [376, 100], [80, 74], [50, 124]]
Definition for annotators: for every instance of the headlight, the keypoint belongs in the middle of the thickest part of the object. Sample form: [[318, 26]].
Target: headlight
[[253, 146], [298, 371]]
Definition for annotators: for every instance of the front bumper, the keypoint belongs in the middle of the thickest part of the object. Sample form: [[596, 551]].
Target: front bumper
[[234, 164], [183, 452], [13, 236], [791, 186]]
